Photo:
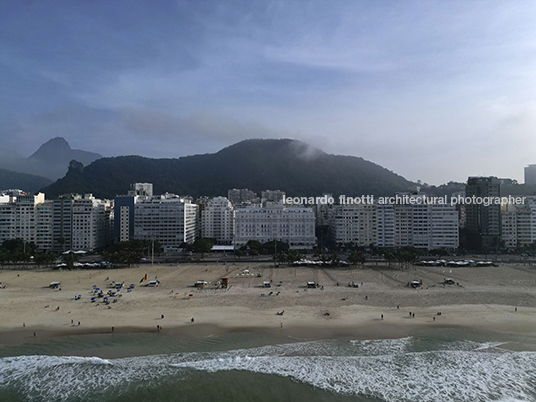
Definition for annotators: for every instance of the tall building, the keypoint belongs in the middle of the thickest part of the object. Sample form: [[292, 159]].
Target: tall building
[[354, 224], [18, 216], [530, 175], [168, 219], [412, 222], [483, 223], [519, 223], [217, 220], [62, 222], [90, 223], [272, 195], [142, 189], [44, 223], [239, 196], [293, 225], [385, 218], [123, 228]]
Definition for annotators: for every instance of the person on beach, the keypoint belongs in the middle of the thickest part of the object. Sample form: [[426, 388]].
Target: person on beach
[[162, 316], [382, 316], [192, 319]]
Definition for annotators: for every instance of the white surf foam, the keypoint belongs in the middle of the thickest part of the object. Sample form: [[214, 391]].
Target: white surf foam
[[393, 370]]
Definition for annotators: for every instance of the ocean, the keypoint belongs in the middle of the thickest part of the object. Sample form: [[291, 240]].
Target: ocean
[[440, 364]]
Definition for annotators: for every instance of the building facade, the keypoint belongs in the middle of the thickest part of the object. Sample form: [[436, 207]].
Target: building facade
[[217, 220], [290, 224], [168, 219]]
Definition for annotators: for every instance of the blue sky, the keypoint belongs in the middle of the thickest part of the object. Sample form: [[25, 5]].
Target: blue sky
[[433, 90]]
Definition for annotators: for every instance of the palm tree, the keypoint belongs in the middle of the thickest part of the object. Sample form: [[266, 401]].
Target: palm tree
[[70, 259]]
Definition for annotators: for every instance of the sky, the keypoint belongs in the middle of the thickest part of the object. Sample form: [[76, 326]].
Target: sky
[[433, 90]]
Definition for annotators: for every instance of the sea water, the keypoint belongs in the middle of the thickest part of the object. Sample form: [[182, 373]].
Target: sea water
[[432, 365]]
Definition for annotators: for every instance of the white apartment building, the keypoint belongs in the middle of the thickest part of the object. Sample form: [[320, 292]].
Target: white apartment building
[[44, 222], [354, 224], [18, 217], [290, 224], [519, 223], [217, 220], [412, 224], [385, 219], [90, 223], [168, 219]]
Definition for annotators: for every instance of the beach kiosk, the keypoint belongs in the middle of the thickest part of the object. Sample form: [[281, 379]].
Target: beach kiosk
[[224, 282]]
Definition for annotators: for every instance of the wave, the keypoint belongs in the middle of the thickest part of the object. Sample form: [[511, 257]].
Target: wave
[[393, 370]]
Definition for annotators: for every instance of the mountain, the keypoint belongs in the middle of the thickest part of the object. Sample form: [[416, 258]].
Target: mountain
[[288, 165], [51, 160], [22, 181], [53, 157]]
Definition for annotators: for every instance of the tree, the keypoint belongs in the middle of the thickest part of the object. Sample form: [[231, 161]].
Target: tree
[[239, 253], [357, 258], [203, 246], [70, 259], [128, 252], [45, 258]]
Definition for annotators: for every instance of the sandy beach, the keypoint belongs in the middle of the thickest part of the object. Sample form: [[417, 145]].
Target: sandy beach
[[497, 298]]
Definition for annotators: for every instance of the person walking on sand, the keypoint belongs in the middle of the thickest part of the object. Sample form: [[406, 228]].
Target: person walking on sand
[[192, 319], [382, 316]]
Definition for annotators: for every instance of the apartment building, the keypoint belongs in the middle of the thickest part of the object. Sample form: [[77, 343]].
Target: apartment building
[[294, 225], [169, 219], [217, 220]]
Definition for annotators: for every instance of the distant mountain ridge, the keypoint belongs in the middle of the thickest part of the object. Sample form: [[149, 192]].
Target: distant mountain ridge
[[22, 181], [54, 156], [51, 160], [288, 165]]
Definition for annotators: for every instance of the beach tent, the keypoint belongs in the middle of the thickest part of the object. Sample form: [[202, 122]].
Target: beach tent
[[54, 284], [312, 284], [200, 283]]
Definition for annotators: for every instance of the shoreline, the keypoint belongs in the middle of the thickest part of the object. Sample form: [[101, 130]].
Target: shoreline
[[371, 330]]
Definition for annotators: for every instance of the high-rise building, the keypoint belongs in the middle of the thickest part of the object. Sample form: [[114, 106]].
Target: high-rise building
[[519, 223], [169, 219], [385, 218], [90, 223], [142, 189], [124, 218], [217, 220], [243, 195], [483, 221], [18, 216], [272, 195], [290, 224], [530, 175], [354, 224]]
